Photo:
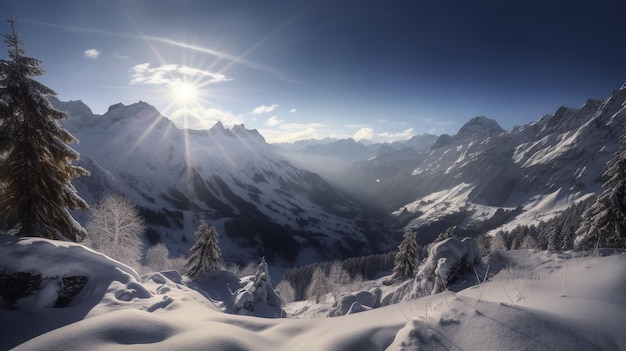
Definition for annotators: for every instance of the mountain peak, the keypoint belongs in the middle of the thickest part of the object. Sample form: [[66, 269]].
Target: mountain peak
[[73, 107], [480, 125], [240, 130], [115, 107], [217, 127], [131, 109]]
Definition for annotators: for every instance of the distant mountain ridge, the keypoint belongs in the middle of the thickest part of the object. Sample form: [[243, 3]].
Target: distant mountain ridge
[[539, 168], [267, 200], [260, 203]]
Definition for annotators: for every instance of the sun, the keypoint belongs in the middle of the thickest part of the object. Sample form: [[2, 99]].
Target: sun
[[184, 92]]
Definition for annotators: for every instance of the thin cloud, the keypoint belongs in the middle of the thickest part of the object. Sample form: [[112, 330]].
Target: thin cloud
[[273, 121], [293, 110], [117, 55], [147, 38], [403, 135], [290, 132], [274, 136], [264, 109], [92, 53], [364, 133], [166, 74]]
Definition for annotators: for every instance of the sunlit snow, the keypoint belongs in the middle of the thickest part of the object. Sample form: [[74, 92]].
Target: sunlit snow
[[531, 301]]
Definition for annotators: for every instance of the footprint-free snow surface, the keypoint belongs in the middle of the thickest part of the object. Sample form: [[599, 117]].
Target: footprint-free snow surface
[[531, 301]]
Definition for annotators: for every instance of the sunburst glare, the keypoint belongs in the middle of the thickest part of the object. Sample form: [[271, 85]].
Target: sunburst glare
[[184, 92]]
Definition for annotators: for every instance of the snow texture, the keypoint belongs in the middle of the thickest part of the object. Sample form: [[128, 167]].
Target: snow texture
[[570, 302]]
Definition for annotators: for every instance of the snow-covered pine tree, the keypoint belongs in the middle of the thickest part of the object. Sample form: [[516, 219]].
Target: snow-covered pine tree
[[205, 255], [36, 164], [405, 264], [604, 223]]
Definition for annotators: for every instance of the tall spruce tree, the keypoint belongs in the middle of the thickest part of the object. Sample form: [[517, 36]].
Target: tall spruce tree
[[35, 159], [405, 264], [205, 255], [604, 223]]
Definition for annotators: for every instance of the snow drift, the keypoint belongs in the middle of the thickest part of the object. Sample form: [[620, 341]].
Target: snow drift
[[569, 302]]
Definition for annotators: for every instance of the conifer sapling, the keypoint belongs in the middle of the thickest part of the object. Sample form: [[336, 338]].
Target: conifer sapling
[[205, 255]]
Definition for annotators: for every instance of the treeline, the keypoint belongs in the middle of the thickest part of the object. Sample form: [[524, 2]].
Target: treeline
[[557, 233], [367, 267]]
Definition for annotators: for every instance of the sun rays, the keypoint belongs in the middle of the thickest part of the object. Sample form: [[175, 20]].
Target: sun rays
[[184, 92]]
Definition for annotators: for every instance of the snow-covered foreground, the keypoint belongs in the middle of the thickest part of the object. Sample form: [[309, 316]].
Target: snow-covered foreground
[[535, 301]]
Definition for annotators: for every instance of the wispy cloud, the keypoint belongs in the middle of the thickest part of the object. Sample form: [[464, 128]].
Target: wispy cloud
[[92, 53], [366, 133], [180, 44], [293, 110], [273, 121], [403, 135], [264, 109], [117, 55], [172, 73], [290, 132]]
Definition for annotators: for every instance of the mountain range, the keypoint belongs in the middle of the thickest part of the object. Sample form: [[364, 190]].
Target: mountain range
[[337, 198], [263, 205]]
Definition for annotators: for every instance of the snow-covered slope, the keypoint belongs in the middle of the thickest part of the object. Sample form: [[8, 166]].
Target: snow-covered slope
[[542, 301], [538, 169], [231, 177]]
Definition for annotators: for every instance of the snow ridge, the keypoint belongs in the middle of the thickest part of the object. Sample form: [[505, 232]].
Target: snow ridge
[[564, 153]]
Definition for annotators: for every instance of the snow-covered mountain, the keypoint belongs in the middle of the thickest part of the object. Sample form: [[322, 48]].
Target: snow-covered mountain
[[532, 171], [264, 201], [260, 202]]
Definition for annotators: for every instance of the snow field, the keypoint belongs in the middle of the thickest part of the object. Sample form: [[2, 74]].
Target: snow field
[[118, 310]]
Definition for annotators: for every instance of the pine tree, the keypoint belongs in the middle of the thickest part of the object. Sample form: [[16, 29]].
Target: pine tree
[[405, 264], [604, 223], [36, 162], [205, 255]]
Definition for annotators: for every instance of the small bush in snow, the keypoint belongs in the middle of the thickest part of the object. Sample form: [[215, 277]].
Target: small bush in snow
[[286, 292], [156, 258], [258, 291], [446, 261]]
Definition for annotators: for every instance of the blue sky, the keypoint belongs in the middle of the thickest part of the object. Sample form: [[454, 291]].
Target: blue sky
[[298, 69]]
